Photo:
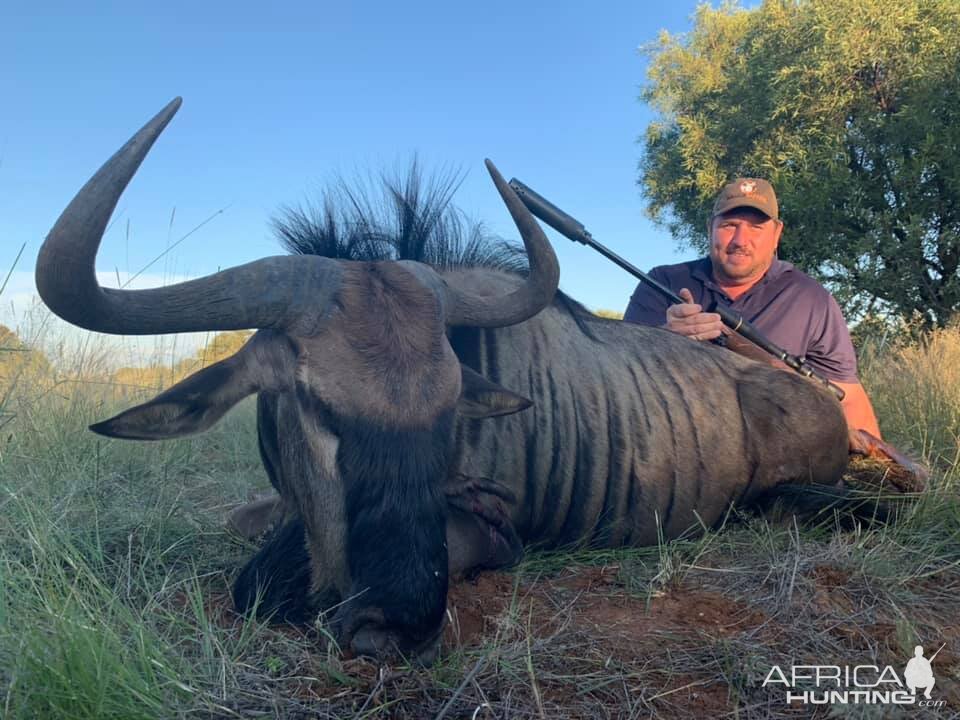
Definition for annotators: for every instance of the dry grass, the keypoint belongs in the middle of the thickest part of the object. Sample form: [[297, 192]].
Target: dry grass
[[915, 388]]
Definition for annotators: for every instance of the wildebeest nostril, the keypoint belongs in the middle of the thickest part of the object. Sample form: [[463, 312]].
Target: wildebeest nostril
[[377, 641], [373, 641]]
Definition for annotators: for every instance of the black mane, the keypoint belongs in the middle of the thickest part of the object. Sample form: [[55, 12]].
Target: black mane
[[406, 218], [411, 218]]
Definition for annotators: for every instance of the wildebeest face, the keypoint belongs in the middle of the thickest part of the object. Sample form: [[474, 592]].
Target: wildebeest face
[[369, 386], [372, 394], [375, 390]]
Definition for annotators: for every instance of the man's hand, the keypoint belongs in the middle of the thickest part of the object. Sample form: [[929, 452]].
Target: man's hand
[[689, 319]]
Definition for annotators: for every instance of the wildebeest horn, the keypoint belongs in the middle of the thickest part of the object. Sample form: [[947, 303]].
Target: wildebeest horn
[[527, 300], [275, 292]]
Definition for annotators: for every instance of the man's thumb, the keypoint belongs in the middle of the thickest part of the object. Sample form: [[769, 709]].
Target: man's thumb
[[686, 295]]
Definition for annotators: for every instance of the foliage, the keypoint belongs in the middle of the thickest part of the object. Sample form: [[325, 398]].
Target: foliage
[[609, 314], [852, 109], [20, 366], [19, 360], [221, 346], [879, 333]]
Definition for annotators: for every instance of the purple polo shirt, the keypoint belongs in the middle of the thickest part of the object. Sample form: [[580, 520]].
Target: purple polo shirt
[[791, 308]]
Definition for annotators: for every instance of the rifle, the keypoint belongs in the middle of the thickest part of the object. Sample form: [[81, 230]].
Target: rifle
[[574, 230]]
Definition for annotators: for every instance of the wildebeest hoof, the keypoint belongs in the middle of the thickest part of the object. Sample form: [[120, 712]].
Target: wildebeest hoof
[[275, 581], [907, 475], [484, 535], [254, 519]]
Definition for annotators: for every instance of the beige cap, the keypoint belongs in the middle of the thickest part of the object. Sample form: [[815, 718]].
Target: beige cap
[[747, 192]]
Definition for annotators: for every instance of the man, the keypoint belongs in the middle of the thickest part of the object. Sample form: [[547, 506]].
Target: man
[[744, 273]]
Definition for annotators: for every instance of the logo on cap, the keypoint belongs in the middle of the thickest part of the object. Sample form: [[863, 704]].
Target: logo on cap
[[748, 187]]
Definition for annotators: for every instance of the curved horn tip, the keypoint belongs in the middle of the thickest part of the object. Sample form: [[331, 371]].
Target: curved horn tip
[[158, 123], [174, 104], [65, 269], [492, 169], [503, 187], [168, 111]]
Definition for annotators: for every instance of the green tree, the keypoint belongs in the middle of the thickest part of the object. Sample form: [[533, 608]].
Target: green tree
[[609, 314], [852, 109]]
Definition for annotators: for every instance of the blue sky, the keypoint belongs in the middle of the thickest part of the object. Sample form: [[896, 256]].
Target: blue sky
[[278, 102]]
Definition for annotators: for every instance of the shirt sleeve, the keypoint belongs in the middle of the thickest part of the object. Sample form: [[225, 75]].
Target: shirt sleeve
[[831, 351], [646, 306]]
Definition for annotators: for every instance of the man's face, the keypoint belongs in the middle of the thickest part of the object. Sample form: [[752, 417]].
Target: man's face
[[743, 243]]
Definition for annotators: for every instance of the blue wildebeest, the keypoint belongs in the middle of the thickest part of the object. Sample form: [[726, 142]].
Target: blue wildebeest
[[389, 413]]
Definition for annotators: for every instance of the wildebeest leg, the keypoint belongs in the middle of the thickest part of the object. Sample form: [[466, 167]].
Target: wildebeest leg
[[816, 503], [913, 477], [480, 533], [861, 441], [277, 579]]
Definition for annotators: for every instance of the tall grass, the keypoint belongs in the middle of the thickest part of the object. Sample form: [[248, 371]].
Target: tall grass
[[104, 546], [915, 388]]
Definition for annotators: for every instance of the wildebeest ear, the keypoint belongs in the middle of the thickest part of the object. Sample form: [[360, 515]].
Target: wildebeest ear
[[266, 362], [480, 398]]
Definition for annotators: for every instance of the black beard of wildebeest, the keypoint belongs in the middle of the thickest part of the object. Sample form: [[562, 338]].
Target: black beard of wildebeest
[[428, 403], [396, 534]]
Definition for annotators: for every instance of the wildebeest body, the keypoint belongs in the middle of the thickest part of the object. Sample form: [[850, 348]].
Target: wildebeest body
[[632, 426]]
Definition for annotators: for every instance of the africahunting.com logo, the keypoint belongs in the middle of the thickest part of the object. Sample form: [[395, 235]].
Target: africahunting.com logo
[[858, 684]]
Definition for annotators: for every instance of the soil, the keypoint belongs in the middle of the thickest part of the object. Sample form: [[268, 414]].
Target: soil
[[645, 630], [679, 652], [592, 600], [591, 604]]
